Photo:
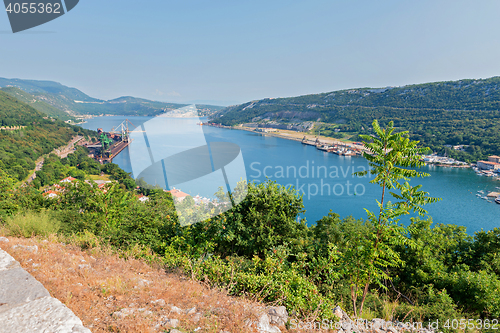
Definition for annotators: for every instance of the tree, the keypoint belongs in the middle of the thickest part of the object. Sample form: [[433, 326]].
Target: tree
[[392, 158], [266, 218], [7, 204]]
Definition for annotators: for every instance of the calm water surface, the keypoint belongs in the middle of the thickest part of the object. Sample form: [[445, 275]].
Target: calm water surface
[[326, 179]]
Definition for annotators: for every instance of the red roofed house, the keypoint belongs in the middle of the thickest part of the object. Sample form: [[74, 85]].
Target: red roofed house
[[142, 198], [50, 194], [102, 187], [68, 180], [494, 158], [486, 165], [178, 194]]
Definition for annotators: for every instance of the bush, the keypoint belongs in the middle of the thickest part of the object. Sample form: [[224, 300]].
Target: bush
[[268, 280], [30, 223]]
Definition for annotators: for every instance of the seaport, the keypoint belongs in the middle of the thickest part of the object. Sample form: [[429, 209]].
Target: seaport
[[109, 144]]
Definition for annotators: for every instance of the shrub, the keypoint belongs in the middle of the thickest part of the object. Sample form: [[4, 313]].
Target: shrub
[[31, 223]]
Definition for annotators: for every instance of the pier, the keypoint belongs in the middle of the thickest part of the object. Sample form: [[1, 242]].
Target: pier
[[115, 149], [110, 143]]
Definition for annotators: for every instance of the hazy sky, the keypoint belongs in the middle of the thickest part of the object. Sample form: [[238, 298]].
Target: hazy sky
[[238, 50]]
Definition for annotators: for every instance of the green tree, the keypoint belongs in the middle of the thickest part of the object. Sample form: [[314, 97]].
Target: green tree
[[392, 157], [266, 218], [7, 205]]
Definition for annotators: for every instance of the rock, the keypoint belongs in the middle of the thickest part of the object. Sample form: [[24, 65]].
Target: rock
[[392, 330], [17, 287], [142, 283], [123, 313], [4, 239], [278, 315], [337, 311], [170, 322], [377, 330], [175, 309], [159, 302], [264, 325], [33, 248], [46, 314], [7, 262], [26, 306], [145, 311], [379, 325], [347, 326], [197, 317], [129, 311], [191, 311]]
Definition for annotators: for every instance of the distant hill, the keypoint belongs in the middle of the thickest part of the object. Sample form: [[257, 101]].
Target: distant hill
[[207, 110], [37, 104], [464, 112], [75, 102], [26, 134]]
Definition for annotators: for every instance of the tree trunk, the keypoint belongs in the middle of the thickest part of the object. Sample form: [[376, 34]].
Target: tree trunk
[[353, 297], [365, 292]]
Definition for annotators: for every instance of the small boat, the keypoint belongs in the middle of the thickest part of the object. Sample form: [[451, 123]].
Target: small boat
[[497, 200]]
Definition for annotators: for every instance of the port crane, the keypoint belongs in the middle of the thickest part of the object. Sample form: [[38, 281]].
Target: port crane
[[122, 130], [105, 144]]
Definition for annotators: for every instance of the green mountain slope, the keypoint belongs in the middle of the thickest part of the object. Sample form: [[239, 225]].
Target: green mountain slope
[[75, 102], [37, 104], [25, 135], [465, 112], [50, 87]]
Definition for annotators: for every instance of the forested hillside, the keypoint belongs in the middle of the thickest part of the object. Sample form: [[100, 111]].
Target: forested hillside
[[25, 135], [73, 101], [39, 105], [465, 112]]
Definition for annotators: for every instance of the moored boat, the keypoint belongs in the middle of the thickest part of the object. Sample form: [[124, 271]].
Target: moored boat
[[497, 200]]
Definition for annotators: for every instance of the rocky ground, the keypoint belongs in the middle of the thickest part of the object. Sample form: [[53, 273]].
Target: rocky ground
[[113, 294]]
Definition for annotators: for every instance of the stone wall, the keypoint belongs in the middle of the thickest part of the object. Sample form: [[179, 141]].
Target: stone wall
[[26, 306]]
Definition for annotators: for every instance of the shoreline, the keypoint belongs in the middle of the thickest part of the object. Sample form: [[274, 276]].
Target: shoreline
[[298, 136], [288, 135], [449, 166]]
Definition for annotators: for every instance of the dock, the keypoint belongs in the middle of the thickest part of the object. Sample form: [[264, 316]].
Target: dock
[[115, 150], [110, 143]]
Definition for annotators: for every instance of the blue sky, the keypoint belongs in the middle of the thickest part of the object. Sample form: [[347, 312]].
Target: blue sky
[[235, 51]]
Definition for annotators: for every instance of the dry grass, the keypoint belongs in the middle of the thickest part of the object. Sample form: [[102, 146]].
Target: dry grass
[[96, 283], [98, 177]]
